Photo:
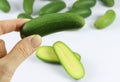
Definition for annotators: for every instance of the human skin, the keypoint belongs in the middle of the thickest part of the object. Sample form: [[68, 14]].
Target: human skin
[[22, 50]]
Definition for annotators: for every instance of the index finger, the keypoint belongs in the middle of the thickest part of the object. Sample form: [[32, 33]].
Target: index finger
[[11, 25]]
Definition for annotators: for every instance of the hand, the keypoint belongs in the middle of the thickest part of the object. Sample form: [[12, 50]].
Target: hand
[[22, 50]]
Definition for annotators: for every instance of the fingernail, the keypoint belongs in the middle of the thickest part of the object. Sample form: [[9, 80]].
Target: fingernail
[[36, 41], [27, 19]]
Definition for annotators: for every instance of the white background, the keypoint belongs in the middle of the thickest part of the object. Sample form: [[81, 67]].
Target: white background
[[99, 49]]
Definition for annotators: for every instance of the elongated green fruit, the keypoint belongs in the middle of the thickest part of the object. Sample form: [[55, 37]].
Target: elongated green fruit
[[4, 6], [84, 12], [84, 3], [105, 20], [24, 15], [51, 23], [28, 6], [47, 54], [70, 63], [108, 3], [52, 7], [77, 55]]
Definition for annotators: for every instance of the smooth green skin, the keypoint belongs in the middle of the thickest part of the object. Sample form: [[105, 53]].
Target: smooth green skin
[[52, 7], [52, 23], [84, 12], [108, 3], [84, 3], [105, 20], [28, 6], [47, 54], [4, 6], [69, 61], [77, 56], [24, 15]]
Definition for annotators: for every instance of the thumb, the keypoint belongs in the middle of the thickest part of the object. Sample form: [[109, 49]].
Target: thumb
[[22, 50]]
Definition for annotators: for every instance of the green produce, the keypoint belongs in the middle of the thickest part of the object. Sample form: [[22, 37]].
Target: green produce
[[69, 61], [84, 3], [47, 54], [4, 6], [52, 7], [28, 6], [77, 56], [84, 12], [51, 23], [24, 15], [105, 20], [108, 3]]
